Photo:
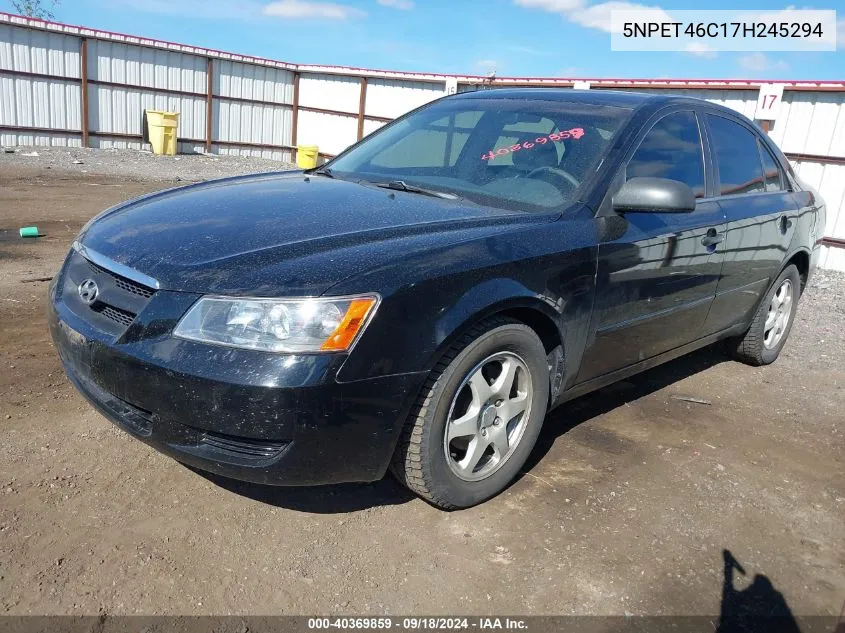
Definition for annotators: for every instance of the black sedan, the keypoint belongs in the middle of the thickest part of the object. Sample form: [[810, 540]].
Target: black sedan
[[422, 301]]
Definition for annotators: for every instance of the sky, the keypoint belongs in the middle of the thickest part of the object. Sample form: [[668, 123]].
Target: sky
[[538, 38]]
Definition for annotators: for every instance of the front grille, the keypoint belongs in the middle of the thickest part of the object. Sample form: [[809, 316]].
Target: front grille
[[124, 317], [122, 282], [245, 447], [118, 302]]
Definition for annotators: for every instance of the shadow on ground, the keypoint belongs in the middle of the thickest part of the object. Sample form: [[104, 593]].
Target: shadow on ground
[[331, 499], [571, 414], [759, 608]]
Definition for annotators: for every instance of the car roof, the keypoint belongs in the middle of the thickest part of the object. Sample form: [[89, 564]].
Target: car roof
[[629, 100]]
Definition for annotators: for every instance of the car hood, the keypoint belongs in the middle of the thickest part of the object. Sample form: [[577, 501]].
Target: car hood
[[281, 233]]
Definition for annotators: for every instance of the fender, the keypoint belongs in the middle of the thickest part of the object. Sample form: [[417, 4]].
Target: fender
[[491, 297], [561, 320]]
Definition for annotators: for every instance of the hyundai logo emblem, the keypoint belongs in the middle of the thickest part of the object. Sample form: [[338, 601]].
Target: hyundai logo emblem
[[88, 291]]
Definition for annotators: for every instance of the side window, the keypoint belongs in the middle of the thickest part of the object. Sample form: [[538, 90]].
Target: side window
[[671, 149], [737, 158], [770, 169]]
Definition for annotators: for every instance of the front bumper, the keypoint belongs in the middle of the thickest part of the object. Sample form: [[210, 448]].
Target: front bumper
[[254, 416]]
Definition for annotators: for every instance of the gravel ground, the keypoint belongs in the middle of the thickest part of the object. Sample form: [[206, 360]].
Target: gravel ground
[[625, 506], [136, 165]]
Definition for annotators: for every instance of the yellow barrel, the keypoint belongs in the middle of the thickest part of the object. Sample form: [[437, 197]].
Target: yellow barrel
[[161, 128], [306, 156]]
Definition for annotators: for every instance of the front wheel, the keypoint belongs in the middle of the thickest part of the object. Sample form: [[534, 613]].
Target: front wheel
[[477, 417]]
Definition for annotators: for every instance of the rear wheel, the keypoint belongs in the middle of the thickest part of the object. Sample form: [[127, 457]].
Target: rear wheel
[[477, 418], [767, 335]]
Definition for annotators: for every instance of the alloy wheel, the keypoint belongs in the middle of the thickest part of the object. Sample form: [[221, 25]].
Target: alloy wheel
[[780, 312], [488, 416]]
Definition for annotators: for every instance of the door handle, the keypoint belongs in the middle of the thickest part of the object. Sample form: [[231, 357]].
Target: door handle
[[712, 238]]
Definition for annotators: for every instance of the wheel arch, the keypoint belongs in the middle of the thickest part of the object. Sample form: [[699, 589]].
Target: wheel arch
[[530, 310], [801, 260]]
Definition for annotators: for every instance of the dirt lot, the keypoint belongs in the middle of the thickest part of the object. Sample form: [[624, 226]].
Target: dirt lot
[[626, 506]]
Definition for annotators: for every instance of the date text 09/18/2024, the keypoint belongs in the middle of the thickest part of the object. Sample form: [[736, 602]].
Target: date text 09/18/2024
[[418, 623]]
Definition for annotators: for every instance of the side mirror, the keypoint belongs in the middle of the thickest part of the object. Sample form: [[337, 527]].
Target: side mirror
[[654, 195]]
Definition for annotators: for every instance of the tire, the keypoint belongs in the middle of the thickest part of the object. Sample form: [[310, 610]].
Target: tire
[[454, 391], [756, 347]]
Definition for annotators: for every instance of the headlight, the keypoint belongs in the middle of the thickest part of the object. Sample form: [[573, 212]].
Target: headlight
[[279, 325]]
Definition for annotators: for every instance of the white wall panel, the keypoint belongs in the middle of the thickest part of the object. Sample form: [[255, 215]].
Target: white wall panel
[[35, 102], [33, 51], [829, 181], [250, 123], [57, 139], [812, 123], [394, 97], [121, 110], [269, 154], [39, 103], [335, 92], [142, 66], [248, 81], [332, 133], [253, 123], [371, 126]]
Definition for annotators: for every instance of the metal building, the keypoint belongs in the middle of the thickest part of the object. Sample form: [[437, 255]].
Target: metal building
[[77, 86]]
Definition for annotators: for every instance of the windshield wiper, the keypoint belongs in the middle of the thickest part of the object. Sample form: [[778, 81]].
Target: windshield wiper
[[322, 171], [401, 185]]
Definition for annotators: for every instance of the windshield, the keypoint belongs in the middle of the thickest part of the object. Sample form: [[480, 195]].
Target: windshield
[[515, 153]]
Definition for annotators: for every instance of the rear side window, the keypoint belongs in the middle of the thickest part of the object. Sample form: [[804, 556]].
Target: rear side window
[[671, 149], [737, 158], [770, 169]]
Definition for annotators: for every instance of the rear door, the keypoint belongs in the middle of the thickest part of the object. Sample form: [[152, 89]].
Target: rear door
[[761, 214], [657, 272]]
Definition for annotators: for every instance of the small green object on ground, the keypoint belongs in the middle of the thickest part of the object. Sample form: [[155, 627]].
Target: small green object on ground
[[29, 231]]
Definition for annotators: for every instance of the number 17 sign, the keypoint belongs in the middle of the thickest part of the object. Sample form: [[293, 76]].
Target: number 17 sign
[[768, 102]]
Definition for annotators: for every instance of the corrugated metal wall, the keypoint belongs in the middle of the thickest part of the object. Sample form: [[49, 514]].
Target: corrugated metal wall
[[392, 98], [253, 102], [331, 132], [119, 109], [267, 123], [829, 180], [35, 102]]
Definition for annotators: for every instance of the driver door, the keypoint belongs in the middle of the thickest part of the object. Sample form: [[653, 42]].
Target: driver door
[[657, 272]]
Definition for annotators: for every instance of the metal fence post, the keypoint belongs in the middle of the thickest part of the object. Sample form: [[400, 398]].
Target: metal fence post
[[362, 106], [294, 124], [83, 87], [209, 105]]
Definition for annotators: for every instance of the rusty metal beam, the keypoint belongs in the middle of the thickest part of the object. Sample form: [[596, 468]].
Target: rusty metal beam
[[142, 88], [278, 104], [833, 242], [31, 75], [362, 107], [816, 158], [294, 125], [209, 104]]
